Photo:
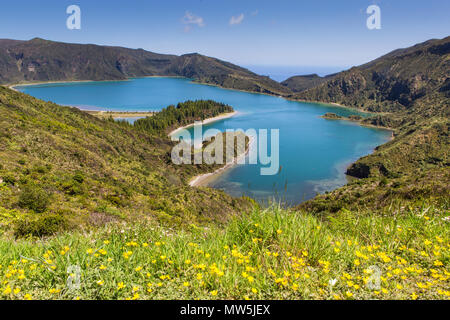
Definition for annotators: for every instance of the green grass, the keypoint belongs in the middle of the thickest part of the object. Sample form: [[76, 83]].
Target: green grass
[[266, 254]]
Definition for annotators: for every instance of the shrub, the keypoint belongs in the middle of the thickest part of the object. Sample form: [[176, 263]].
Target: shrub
[[78, 177], [34, 198], [43, 226], [9, 179]]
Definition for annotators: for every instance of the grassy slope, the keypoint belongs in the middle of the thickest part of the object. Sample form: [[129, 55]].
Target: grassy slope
[[94, 170], [269, 254]]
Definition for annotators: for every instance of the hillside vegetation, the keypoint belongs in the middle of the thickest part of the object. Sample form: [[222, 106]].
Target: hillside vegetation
[[184, 113], [266, 254], [411, 87], [61, 168]]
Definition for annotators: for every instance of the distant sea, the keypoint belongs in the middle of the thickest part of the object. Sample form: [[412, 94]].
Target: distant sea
[[281, 73]]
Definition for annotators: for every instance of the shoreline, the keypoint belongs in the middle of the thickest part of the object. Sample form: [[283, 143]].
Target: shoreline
[[118, 114], [12, 86], [206, 121], [198, 181]]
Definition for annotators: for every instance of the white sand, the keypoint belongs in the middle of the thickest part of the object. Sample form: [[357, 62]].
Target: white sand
[[200, 179], [206, 121]]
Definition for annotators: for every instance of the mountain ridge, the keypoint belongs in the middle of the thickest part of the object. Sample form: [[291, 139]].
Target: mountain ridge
[[40, 60]]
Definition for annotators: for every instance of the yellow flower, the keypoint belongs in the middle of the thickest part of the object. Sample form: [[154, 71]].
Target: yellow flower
[[279, 231], [438, 263], [102, 267], [100, 282], [214, 293], [27, 297], [16, 290], [54, 291], [254, 290], [414, 296], [357, 262], [137, 269], [186, 284], [7, 290], [135, 288], [120, 285], [187, 261], [399, 286], [349, 294]]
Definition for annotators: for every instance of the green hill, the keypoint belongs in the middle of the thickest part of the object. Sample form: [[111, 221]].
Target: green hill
[[43, 60], [391, 83], [411, 88], [64, 164]]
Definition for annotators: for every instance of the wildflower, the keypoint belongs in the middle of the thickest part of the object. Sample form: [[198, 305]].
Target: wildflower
[[54, 291], [102, 267], [27, 297], [100, 282], [414, 296], [279, 231], [137, 269], [187, 261], [214, 293], [7, 290], [438, 263], [186, 284], [348, 294]]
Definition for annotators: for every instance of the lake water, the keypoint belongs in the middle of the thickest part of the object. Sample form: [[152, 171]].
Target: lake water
[[314, 152]]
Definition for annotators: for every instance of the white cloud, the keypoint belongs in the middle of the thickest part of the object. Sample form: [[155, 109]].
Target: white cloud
[[237, 19], [190, 19], [254, 13]]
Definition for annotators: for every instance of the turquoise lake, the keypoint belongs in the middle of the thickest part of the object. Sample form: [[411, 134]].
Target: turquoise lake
[[314, 152]]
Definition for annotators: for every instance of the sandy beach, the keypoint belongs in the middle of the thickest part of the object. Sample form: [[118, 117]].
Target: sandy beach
[[119, 114], [200, 179], [206, 121]]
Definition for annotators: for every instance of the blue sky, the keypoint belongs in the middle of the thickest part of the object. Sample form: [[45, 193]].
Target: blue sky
[[294, 33]]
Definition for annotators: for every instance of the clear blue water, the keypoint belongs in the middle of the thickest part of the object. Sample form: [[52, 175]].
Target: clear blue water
[[314, 152]]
